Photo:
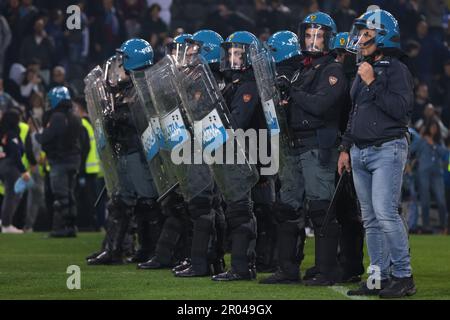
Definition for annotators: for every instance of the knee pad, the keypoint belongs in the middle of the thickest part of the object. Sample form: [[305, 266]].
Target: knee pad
[[285, 213], [198, 207]]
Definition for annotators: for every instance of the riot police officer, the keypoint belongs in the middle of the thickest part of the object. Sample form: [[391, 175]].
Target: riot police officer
[[245, 107], [204, 209], [317, 93], [174, 243], [376, 138], [288, 210], [61, 140], [137, 195]]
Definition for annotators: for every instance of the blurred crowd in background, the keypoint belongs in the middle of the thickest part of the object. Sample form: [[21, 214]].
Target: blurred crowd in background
[[38, 52]]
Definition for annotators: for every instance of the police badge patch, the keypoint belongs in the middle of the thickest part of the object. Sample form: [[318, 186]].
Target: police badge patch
[[332, 80]]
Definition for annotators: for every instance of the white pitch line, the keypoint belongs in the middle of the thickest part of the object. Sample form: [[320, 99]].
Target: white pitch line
[[343, 290]]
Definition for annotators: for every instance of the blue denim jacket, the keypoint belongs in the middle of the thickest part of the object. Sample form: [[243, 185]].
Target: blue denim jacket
[[430, 157]]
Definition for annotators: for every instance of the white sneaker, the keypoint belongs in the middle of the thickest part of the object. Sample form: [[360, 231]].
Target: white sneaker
[[309, 232], [11, 229]]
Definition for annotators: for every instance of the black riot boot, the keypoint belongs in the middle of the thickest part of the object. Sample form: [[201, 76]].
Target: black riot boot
[[172, 230], [266, 240], [290, 254], [218, 240], [243, 238], [148, 217], [63, 219], [117, 231], [203, 229], [327, 237]]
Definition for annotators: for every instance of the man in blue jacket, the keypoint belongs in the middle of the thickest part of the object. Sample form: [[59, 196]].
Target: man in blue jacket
[[375, 139]]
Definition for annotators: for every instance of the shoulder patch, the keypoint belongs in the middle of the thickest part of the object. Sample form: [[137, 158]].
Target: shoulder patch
[[332, 80], [247, 97]]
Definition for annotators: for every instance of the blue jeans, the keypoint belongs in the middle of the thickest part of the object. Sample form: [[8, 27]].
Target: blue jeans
[[378, 174], [432, 181]]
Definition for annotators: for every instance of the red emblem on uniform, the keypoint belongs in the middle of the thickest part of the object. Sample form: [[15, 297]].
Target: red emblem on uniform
[[247, 97]]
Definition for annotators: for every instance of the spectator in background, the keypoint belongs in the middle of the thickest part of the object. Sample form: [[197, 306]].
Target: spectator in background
[[27, 16], [6, 101], [36, 159], [5, 41], [11, 13], [59, 80], [262, 15], [108, 32], [55, 30], [131, 11], [225, 21], [344, 15], [434, 11], [78, 47], [430, 115], [430, 152], [408, 15], [38, 46], [11, 167], [15, 80], [32, 85], [154, 29], [442, 94], [420, 101], [281, 18]]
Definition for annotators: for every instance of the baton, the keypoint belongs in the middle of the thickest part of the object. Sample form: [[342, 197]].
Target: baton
[[166, 194], [332, 203]]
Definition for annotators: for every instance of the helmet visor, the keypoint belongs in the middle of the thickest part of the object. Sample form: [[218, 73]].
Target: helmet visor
[[115, 73], [234, 56], [186, 53], [315, 38]]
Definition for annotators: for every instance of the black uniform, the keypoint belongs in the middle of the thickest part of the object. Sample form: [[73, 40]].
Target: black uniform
[[245, 107], [318, 94], [61, 140], [136, 197]]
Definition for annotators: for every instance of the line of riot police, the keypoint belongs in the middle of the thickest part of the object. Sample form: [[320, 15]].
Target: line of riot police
[[186, 216]]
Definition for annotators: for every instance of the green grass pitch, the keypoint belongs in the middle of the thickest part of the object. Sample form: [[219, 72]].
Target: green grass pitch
[[34, 267]]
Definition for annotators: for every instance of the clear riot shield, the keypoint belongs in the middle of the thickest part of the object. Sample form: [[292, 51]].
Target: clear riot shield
[[147, 122], [276, 118], [98, 104], [208, 111], [179, 145]]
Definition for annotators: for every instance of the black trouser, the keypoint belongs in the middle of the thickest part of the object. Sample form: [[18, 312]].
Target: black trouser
[[263, 196], [62, 180], [241, 223], [9, 175], [173, 240]]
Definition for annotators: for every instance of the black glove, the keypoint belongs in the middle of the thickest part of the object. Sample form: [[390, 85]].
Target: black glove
[[284, 85]]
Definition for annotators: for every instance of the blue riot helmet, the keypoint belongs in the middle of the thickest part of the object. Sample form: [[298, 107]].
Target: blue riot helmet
[[58, 94], [136, 54], [208, 43], [283, 45], [375, 27], [174, 47], [340, 42], [235, 51], [316, 34]]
